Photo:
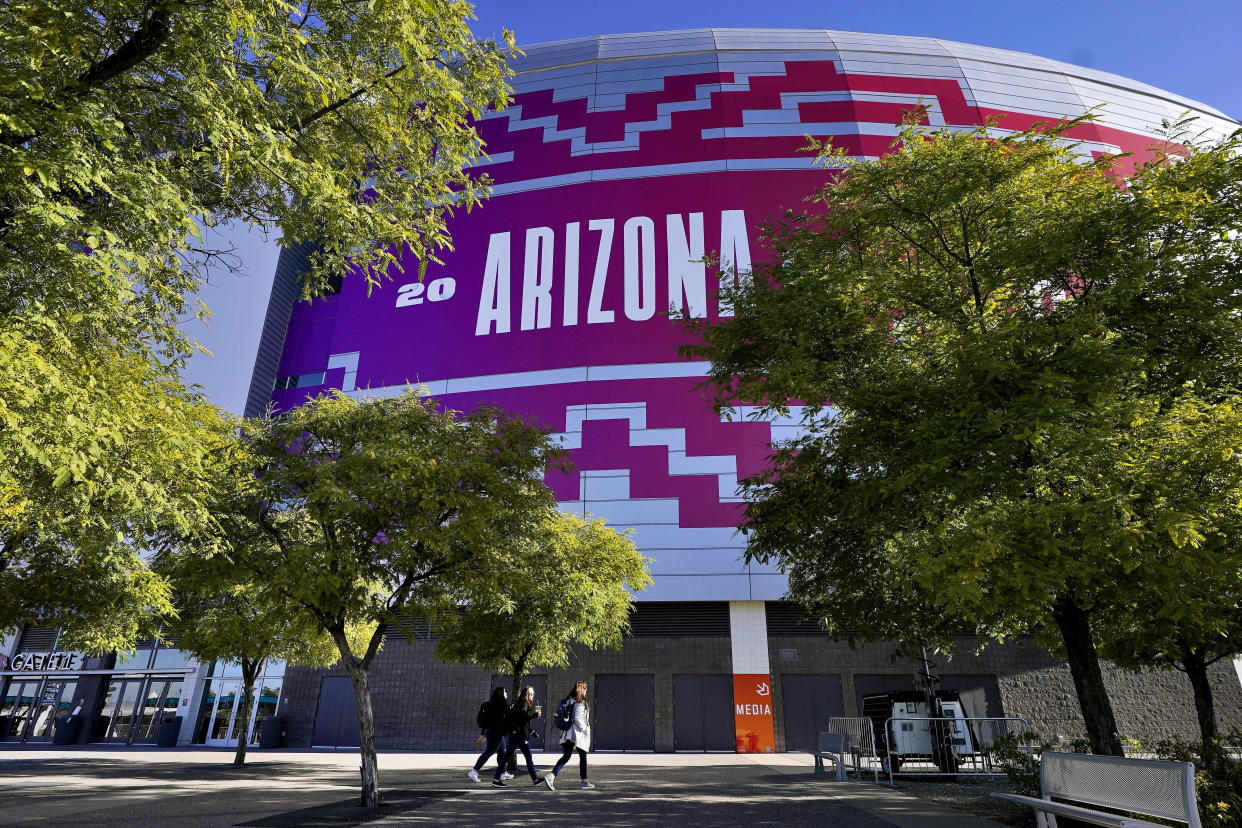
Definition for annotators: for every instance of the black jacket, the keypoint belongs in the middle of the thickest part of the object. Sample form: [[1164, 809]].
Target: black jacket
[[518, 721], [494, 715]]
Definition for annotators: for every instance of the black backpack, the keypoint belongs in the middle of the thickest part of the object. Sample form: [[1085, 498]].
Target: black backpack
[[485, 718], [565, 714]]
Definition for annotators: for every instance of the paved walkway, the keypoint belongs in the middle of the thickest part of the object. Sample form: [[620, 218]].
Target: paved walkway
[[90, 787]]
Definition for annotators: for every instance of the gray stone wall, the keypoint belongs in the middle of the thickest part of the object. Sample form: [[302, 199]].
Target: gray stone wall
[[1149, 706]]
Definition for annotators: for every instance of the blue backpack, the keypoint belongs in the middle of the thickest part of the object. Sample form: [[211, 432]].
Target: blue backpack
[[564, 714]]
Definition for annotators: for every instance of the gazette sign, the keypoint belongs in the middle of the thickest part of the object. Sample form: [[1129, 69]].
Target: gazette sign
[[39, 662]]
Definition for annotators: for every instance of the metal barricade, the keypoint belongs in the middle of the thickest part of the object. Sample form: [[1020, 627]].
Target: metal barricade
[[861, 756], [922, 746]]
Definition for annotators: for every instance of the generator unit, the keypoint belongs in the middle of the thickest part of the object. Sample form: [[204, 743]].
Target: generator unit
[[913, 726]]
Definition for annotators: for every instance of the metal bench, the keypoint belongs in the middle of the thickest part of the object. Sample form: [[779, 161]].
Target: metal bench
[[1143, 786], [831, 746]]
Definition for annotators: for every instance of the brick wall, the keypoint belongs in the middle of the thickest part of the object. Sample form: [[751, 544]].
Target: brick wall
[[423, 704]]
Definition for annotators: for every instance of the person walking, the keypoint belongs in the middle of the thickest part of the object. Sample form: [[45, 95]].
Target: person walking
[[576, 736], [521, 714], [491, 719]]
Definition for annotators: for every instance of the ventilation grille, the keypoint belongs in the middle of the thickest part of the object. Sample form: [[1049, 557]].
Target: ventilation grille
[[785, 619], [38, 639], [409, 629], [656, 619]]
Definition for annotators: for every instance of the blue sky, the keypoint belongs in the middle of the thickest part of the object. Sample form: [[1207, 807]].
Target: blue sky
[[1190, 48]]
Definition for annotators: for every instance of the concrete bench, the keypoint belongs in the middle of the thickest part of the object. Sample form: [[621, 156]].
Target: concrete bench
[[831, 746], [1142, 786]]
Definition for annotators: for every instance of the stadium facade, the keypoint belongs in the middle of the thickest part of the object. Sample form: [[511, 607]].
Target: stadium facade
[[623, 160]]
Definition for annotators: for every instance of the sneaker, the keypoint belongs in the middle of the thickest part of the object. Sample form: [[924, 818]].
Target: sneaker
[[586, 786], [548, 780], [473, 774], [499, 783], [506, 775]]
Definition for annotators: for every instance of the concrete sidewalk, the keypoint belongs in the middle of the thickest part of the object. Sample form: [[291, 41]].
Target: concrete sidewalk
[[93, 786]]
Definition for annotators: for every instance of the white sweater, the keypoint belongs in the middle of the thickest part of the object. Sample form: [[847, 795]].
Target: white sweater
[[580, 733]]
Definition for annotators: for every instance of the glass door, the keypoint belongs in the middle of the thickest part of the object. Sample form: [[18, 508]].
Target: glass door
[[160, 700], [55, 700], [224, 726], [16, 708], [220, 728], [120, 709], [265, 705]]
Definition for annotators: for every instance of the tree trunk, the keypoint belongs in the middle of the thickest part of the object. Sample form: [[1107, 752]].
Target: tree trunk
[[1196, 670], [366, 736], [250, 671], [1084, 662], [519, 671]]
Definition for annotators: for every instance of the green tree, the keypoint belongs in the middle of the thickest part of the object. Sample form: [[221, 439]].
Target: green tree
[[126, 127], [219, 616], [978, 328], [381, 509], [569, 583], [95, 461], [1185, 610]]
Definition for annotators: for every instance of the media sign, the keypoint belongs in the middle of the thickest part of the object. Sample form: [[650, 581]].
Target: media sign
[[752, 713]]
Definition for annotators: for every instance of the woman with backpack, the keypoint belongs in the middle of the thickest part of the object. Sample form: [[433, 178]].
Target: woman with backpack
[[521, 714], [573, 717], [491, 720]]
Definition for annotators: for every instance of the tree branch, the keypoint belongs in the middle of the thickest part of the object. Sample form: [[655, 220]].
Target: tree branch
[[301, 124], [142, 44]]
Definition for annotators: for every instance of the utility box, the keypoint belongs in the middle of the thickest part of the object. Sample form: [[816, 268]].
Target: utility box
[[66, 732], [271, 732], [170, 730]]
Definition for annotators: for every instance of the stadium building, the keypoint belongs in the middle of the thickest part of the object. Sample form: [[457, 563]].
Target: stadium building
[[621, 162]]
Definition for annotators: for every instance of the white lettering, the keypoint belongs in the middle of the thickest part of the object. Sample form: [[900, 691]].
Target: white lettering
[[640, 268], [686, 271], [537, 279], [595, 311], [494, 300], [571, 273], [437, 291], [411, 294], [734, 252], [442, 289]]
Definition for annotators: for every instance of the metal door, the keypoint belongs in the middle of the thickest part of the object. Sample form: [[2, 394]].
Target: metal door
[[980, 695], [336, 721], [703, 713], [806, 704], [623, 713]]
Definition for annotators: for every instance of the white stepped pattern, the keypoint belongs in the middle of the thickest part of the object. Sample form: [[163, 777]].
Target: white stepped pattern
[[723, 466]]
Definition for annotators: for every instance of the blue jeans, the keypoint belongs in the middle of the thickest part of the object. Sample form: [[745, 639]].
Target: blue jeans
[[517, 743], [495, 744]]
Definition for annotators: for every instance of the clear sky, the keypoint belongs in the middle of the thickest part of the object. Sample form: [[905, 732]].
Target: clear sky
[[1191, 48]]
